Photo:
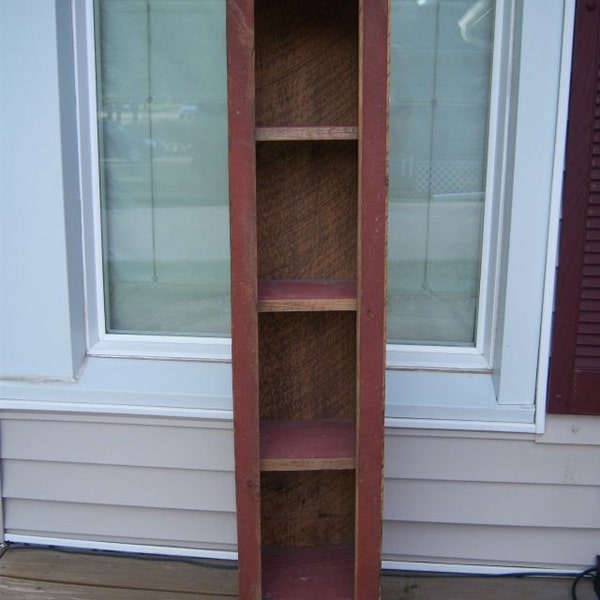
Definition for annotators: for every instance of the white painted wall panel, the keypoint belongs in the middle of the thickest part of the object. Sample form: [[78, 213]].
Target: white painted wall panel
[[43, 313]]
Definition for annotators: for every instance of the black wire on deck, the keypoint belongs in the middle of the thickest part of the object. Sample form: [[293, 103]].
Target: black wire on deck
[[593, 574]]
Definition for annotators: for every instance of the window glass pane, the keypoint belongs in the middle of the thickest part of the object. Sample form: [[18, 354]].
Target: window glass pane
[[162, 121], [439, 84]]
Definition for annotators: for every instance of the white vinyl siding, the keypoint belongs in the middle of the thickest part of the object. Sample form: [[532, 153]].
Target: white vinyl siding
[[145, 482], [454, 498]]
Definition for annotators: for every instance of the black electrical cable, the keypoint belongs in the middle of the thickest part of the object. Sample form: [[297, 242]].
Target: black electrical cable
[[592, 574]]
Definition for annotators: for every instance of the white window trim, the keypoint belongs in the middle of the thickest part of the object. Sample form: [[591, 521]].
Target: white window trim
[[99, 342], [427, 387], [499, 383]]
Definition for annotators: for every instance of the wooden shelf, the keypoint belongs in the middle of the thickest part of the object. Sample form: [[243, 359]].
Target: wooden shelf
[[295, 133], [306, 295], [304, 445], [308, 213], [309, 573]]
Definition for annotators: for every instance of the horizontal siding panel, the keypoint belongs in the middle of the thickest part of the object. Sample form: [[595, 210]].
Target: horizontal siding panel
[[510, 546], [492, 504], [449, 497], [489, 460], [125, 486], [128, 525], [199, 447]]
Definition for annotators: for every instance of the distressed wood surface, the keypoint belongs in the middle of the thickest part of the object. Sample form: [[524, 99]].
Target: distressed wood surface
[[278, 134], [372, 232], [306, 63], [41, 574], [244, 319], [309, 573], [120, 575], [307, 445], [306, 210], [307, 508], [306, 295], [307, 365]]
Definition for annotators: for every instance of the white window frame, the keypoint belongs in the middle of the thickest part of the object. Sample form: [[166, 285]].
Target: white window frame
[[501, 381], [495, 385], [101, 343]]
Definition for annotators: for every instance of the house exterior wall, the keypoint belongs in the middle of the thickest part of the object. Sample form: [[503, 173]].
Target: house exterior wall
[[84, 476], [454, 498]]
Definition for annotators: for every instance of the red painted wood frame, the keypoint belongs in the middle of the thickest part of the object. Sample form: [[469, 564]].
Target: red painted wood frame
[[373, 90], [244, 322], [373, 61]]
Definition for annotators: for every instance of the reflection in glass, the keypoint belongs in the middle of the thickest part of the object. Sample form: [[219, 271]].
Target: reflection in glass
[[162, 123], [440, 82]]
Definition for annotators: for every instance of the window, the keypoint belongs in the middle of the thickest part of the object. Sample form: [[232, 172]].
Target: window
[[476, 119], [440, 71], [162, 130], [469, 302]]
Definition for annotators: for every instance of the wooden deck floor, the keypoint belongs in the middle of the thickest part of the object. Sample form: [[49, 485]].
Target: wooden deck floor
[[47, 574]]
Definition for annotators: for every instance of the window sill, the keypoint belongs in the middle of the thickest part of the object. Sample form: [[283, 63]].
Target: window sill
[[439, 400], [130, 386], [164, 348], [197, 389]]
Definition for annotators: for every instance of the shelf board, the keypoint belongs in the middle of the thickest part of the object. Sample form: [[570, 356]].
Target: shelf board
[[295, 133], [306, 295], [307, 445], [308, 573]]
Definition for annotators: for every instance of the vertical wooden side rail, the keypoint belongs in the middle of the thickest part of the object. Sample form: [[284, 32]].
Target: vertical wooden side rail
[[372, 228], [242, 185]]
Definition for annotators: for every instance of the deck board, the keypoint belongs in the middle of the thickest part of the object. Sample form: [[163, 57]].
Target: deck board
[[214, 579], [19, 589], [41, 574]]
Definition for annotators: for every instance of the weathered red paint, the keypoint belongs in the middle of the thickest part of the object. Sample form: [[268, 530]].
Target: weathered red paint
[[242, 186], [374, 46], [364, 558]]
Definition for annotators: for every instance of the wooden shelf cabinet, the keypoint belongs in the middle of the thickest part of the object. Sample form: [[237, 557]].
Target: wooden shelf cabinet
[[307, 162]]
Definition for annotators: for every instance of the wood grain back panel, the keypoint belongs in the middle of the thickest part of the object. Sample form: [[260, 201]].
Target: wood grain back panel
[[307, 365], [306, 62], [314, 508], [306, 210]]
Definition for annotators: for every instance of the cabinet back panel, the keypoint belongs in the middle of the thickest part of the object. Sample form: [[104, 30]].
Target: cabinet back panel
[[307, 365], [306, 209], [306, 60], [311, 508]]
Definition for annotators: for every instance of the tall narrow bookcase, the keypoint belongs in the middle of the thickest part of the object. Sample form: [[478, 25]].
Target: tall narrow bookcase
[[307, 171]]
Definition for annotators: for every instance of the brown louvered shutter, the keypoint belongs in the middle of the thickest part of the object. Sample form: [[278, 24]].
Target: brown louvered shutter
[[575, 361]]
